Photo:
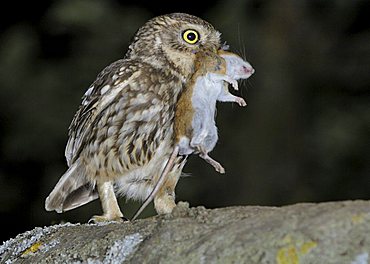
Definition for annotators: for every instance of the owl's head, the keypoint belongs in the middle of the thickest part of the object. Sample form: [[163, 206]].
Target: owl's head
[[173, 40]]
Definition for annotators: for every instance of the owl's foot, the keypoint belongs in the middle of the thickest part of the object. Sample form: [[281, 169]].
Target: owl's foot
[[164, 203], [105, 218], [111, 211]]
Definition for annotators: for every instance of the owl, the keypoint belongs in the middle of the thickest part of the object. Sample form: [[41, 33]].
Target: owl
[[122, 135]]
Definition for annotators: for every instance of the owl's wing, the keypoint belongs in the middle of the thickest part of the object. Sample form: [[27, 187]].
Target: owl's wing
[[73, 188], [97, 98]]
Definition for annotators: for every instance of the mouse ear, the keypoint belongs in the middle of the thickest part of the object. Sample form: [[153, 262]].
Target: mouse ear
[[225, 46]]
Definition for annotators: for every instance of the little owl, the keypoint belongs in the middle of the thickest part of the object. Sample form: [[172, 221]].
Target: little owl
[[122, 134]]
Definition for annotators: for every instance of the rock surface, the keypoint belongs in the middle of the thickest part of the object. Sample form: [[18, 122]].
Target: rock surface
[[333, 232]]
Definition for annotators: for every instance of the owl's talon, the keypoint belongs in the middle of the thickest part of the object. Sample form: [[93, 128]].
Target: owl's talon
[[104, 218]]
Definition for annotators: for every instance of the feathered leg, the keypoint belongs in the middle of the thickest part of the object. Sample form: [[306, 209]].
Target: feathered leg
[[159, 184], [164, 201], [111, 210]]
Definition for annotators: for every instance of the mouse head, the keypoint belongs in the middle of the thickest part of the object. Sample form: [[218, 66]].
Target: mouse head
[[236, 67]]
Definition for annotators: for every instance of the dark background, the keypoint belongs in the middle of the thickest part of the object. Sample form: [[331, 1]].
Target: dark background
[[304, 137]]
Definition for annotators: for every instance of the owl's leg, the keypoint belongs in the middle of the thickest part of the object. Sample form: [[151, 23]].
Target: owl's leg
[[164, 201], [204, 155], [159, 186], [111, 211]]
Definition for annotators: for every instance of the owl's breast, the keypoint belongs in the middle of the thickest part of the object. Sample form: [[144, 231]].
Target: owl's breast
[[133, 129]]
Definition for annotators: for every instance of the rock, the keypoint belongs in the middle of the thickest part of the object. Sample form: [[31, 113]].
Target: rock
[[333, 232]]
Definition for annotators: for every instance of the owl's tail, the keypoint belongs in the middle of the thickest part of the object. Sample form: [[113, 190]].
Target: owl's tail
[[72, 190]]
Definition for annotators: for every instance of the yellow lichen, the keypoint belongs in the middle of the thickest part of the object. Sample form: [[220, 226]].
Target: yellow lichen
[[287, 239], [287, 255], [32, 249], [358, 218], [306, 247], [293, 251]]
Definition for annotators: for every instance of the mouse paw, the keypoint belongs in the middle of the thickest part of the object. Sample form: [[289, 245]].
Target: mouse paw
[[234, 84], [240, 101], [218, 167]]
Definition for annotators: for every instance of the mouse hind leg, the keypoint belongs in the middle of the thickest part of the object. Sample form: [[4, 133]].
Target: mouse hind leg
[[198, 138], [204, 155]]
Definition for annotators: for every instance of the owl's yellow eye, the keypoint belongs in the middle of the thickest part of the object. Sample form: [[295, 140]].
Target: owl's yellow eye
[[190, 36]]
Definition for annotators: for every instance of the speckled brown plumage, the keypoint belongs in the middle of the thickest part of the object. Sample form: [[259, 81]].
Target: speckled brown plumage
[[122, 134]]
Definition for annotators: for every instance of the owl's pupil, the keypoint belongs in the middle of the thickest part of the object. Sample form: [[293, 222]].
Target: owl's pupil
[[191, 36]]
